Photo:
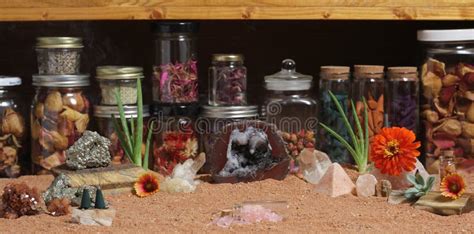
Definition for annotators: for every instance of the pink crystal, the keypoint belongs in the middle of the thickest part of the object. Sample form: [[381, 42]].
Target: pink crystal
[[248, 214]]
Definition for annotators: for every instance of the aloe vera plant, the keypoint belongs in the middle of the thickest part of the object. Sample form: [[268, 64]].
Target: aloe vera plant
[[131, 139], [359, 149], [421, 186]]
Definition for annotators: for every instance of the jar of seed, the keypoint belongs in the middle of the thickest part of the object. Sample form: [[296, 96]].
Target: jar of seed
[[119, 79], [58, 55]]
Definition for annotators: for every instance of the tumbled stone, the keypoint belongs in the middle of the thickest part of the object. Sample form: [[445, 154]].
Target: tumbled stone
[[365, 185], [335, 182], [383, 188], [95, 217], [313, 164], [90, 151]]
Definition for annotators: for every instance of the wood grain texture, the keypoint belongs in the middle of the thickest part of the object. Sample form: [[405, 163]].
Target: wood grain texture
[[37, 10]]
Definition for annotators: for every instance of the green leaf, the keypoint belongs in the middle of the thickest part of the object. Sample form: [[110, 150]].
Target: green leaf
[[147, 146], [419, 186], [123, 120], [420, 180], [420, 194], [430, 183], [411, 178], [139, 133], [342, 141], [132, 125], [359, 127], [410, 193], [366, 126], [122, 139]]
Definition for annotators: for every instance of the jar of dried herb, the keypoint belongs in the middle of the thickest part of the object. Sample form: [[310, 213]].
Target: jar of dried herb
[[447, 164], [447, 81], [175, 138], [175, 77], [59, 117], [105, 126], [58, 55], [12, 128], [369, 83], [334, 79], [402, 97], [227, 80], [119, 79]]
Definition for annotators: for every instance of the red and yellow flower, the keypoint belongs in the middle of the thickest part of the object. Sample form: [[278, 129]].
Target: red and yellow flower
[[453, 186], [146, 185]]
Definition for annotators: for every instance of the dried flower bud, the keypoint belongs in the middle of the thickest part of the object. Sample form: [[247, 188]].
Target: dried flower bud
[[35, 129], [450, 80], [53, 102], [467, 129], [431, 85], [470, 113], [431, 116], [74, 101], [39, 110], [12, 123], [81, 123], [451, 127]]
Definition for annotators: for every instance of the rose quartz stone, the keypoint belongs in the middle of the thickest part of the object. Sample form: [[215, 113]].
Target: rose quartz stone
[[365, 185], [335, 182]]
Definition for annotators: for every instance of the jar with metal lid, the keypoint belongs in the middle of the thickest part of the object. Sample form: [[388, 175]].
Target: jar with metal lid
[[369, 83], [334, 79], [59, 117], [227, 80], [213, 119], [12, 128], [120, 79], [105, 126], [175, 71], [447, 164], [402, 98], [58, 55], [447, 81], [291, 108], [174, 137]]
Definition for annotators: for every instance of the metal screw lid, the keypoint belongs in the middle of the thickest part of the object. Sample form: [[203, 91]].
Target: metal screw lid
[[59, 42], [118, 72], [228, 58], [229, 112], [129, 111], [66, 81]]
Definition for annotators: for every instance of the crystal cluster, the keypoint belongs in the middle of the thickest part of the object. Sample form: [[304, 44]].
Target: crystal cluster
[[90, 151], [18, 199]]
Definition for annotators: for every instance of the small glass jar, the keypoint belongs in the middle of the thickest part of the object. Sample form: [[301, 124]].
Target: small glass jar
[[58, 55], [105, 126], [59, 117], [447, 103], [291, 108], [213, 119], [402, 98], [334, 79], [227, 80], [175, 138], [447, 164], [119, 78], [369, 83], [175, 70], [13, 128]]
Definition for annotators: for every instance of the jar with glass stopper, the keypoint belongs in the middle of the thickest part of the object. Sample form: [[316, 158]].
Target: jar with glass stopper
[[227, 80]]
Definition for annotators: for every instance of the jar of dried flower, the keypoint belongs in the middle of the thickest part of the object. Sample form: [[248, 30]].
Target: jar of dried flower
[[58, 55], [447, 78], [334, 79], [174, 137], [369, 83], [175, 77], [227, 80], [105, 126], [119, 79], [12, 128], [447, 164], [59, 117]]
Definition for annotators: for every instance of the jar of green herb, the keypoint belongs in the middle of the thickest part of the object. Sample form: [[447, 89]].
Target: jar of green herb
[[119, 79]]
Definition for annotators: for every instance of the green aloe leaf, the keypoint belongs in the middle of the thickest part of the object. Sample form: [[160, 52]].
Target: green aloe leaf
[[147, 146], [139, 133], [341, 140], [123, 120], [122, 139], [359, 127]]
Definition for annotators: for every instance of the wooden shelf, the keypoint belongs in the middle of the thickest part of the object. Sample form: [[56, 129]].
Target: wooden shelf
[[39, 10]]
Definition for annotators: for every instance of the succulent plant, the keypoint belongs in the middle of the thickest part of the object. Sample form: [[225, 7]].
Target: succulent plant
[[421, 187]]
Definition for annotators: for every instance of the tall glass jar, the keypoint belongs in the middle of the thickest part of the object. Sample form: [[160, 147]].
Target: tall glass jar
[[59, 117], [447, 77], [105, 126], [58, 55], [291, 108], [119, 78], [334, 79], [175, 138], [402, 97], [175, 71], [13, 129], [369, 83], [227, 80], [447, 164]]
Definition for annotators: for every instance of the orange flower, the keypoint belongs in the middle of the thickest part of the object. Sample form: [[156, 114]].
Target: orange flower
[[147, 184], [394, 149], [453, 186]]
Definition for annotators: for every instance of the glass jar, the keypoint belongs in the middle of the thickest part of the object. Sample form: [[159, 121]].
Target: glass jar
[[13, 128], [213, 119], [175, 138], [119, 78], [291, 108], [105, 126], [59, 117], [175, 70], [369, 83], [58, 55], [402, 98], [227, 80], [447, 164], [334, 79], [447, 78]]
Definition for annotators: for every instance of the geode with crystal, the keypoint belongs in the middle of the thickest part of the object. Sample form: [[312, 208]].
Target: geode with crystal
[[90, 151]]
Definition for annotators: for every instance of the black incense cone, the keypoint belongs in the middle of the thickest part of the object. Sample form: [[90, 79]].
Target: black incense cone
[[85, 199], [99, 200]]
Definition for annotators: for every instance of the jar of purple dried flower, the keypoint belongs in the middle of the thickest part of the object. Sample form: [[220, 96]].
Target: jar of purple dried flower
[[227, 80]]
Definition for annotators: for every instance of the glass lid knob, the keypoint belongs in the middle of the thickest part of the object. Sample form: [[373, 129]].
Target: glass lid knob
[[288, 64]]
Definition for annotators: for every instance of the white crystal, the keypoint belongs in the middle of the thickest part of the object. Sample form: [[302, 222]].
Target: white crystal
[[365, 185], [182, 178], [313, 165], [335, 182], [95, 217]]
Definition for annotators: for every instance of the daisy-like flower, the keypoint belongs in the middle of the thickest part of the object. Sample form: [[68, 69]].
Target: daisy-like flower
[[394, 149], [147, 184], [191, 147], [453, 186]]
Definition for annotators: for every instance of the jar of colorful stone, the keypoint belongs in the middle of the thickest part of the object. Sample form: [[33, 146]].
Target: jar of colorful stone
[[227, 80], [402, 97], [334, 79], [369, 83], [58, 55], [119, 79]]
